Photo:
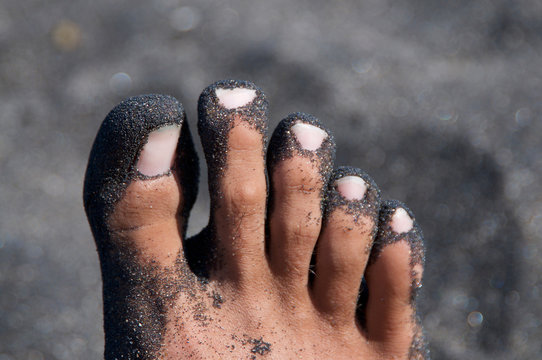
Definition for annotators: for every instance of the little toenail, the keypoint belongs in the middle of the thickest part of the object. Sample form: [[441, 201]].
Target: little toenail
[[158, 154], [310, 137], [401, 222], [351, 187], [234, 98]]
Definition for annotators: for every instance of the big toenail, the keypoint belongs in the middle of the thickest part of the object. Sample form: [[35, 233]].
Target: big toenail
[[158, 154], [401, 222], [310, 137], [351, 187], [234, 98]]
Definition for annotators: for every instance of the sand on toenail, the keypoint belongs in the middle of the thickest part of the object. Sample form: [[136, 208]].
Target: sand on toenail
[[387, 235], [401, 222], [215, 122], [158, 154], [234, 98], [310, 137], [116, 151], [368, 205], [351, 187], [283, 145]]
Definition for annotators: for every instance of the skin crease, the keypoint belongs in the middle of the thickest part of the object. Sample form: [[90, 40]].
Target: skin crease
[[256, 297]]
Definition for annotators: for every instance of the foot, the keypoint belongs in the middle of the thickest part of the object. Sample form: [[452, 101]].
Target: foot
[[297, 262]]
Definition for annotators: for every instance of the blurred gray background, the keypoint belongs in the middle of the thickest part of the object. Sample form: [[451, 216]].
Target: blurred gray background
[[438, 100]]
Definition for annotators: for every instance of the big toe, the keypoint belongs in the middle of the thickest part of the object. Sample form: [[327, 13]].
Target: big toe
[[142, 177]]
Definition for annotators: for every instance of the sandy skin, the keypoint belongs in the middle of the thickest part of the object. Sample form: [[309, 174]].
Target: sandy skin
[[278, 272]]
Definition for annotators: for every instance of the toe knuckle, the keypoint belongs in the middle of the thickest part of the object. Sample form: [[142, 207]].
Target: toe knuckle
[[305, 189], [247, 193], [308, 231]]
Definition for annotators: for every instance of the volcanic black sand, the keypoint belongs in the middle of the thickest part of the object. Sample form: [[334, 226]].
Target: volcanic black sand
[[137, 295], [439, 101]]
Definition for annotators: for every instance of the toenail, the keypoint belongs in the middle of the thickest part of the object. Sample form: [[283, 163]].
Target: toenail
[[351, 187], [401, 222], [310, 137], [158, 154], [234, 98]]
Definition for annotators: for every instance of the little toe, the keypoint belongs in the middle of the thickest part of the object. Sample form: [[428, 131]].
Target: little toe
[[393, 276], [232, 126], [350, 221], [300, 160], [142, 177]]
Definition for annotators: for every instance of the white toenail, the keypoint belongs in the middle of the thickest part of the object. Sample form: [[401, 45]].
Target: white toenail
[[158, 154], [401, 222], [234, 98], [310, 137], [351, 187]]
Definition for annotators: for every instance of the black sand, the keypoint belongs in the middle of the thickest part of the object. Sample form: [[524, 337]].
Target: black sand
[[283, 145], [437, 100], [386, 236]]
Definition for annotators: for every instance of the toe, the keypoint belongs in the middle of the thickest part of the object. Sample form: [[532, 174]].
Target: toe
[[393, 276], [343, 248], [232, 125], [142, 177], [300, 159]]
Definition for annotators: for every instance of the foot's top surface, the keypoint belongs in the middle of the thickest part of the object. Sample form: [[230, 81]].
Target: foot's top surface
[[277, 273]]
